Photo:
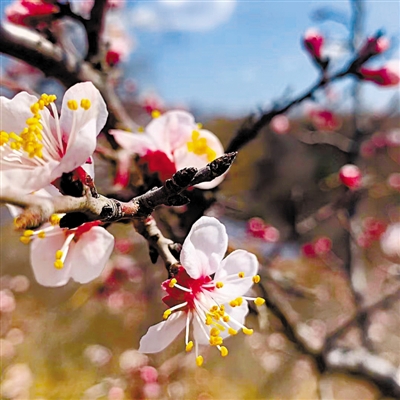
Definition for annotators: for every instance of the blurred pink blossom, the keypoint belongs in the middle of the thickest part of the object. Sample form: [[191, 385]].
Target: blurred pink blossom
[[350, 175], [20, 11], [374, 45], [324, 120], [280, 124]]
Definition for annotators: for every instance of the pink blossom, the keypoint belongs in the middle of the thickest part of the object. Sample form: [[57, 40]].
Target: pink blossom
[[390, 240], [393, 181], [324, 120], [280, 124], [206, 293], [37, 146], [313, 42], [256, 227], [387, 75], [20, 11], [350, 176], [173, 141]]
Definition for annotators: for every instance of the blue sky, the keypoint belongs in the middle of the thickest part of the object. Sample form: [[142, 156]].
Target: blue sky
[[233, 56], [250, 58]]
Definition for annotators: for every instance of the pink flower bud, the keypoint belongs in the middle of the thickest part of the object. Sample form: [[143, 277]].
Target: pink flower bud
[[21, 10], [393, 181], [322, 245], [393, 138], [271, 234], [313, 42], [374, 46], [113, 57], [280, 124], [324, 120], [308, 250], [255, 227], [149, 374], [350, 176], [387, 75]]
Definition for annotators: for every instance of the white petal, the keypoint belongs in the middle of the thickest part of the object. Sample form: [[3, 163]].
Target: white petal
[[159, 336], [81, 138], [185, 158], [172, 129], [138, 143], [237, 313], [15, 111], [43, 253], [237, 261], [204, 247], [90, 254], [27, 180], [198, 332]]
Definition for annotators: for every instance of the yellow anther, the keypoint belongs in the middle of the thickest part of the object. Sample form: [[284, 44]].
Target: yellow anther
[[14, 136], [28, 233], [232, 331], [259, 301], [58, 264], [140, 129], [167, 313], [4, 137], [54, 219], [199, 361], [189, 346], [59, 254], [241, 274], [233, 303], [256, 278], [214, 308], [247, 331], [200, 147], [222, 307], [199, 125], [41, 234], [224, 351], [208, 319], [52, 98], [32, 121], [172, 282], [25, 239], [219, 285], [226, 318], [155, 114], [214, 331], [72, 105], [44, 96], [35, 108], [41, 104], [216, 340], [85, 104], [239, 301]]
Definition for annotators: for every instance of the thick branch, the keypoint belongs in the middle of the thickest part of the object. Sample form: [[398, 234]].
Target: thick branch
[[34, 49]]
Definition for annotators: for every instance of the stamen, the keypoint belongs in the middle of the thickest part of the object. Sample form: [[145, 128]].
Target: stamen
[[232, 331], [168, 312], [172, 282], [189, 346], [182, 288], [247, 331], [241, 274], [223, 350], [199, 361], [155, 114], [219, 285], [54, 219], [256, 278], [72, 105], [85, 104]]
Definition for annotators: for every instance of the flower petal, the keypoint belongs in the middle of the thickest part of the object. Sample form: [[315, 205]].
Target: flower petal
[[237, 261], [43, 252], [138, 143], [172, 129], [81, 127], [90, 254], [15, 111], [159, 336], [185, 158], [204, 247]]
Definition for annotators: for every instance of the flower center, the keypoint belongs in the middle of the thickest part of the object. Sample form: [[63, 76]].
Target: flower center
[[199, 146]]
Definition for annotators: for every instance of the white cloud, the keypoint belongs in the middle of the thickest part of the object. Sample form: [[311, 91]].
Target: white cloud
[[182, 15]]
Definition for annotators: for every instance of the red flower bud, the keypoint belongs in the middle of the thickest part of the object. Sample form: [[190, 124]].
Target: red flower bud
[[20, 11], [324, 120], [374, 46], [388, 75], [322, 245], [313, 42], [350, 175]]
